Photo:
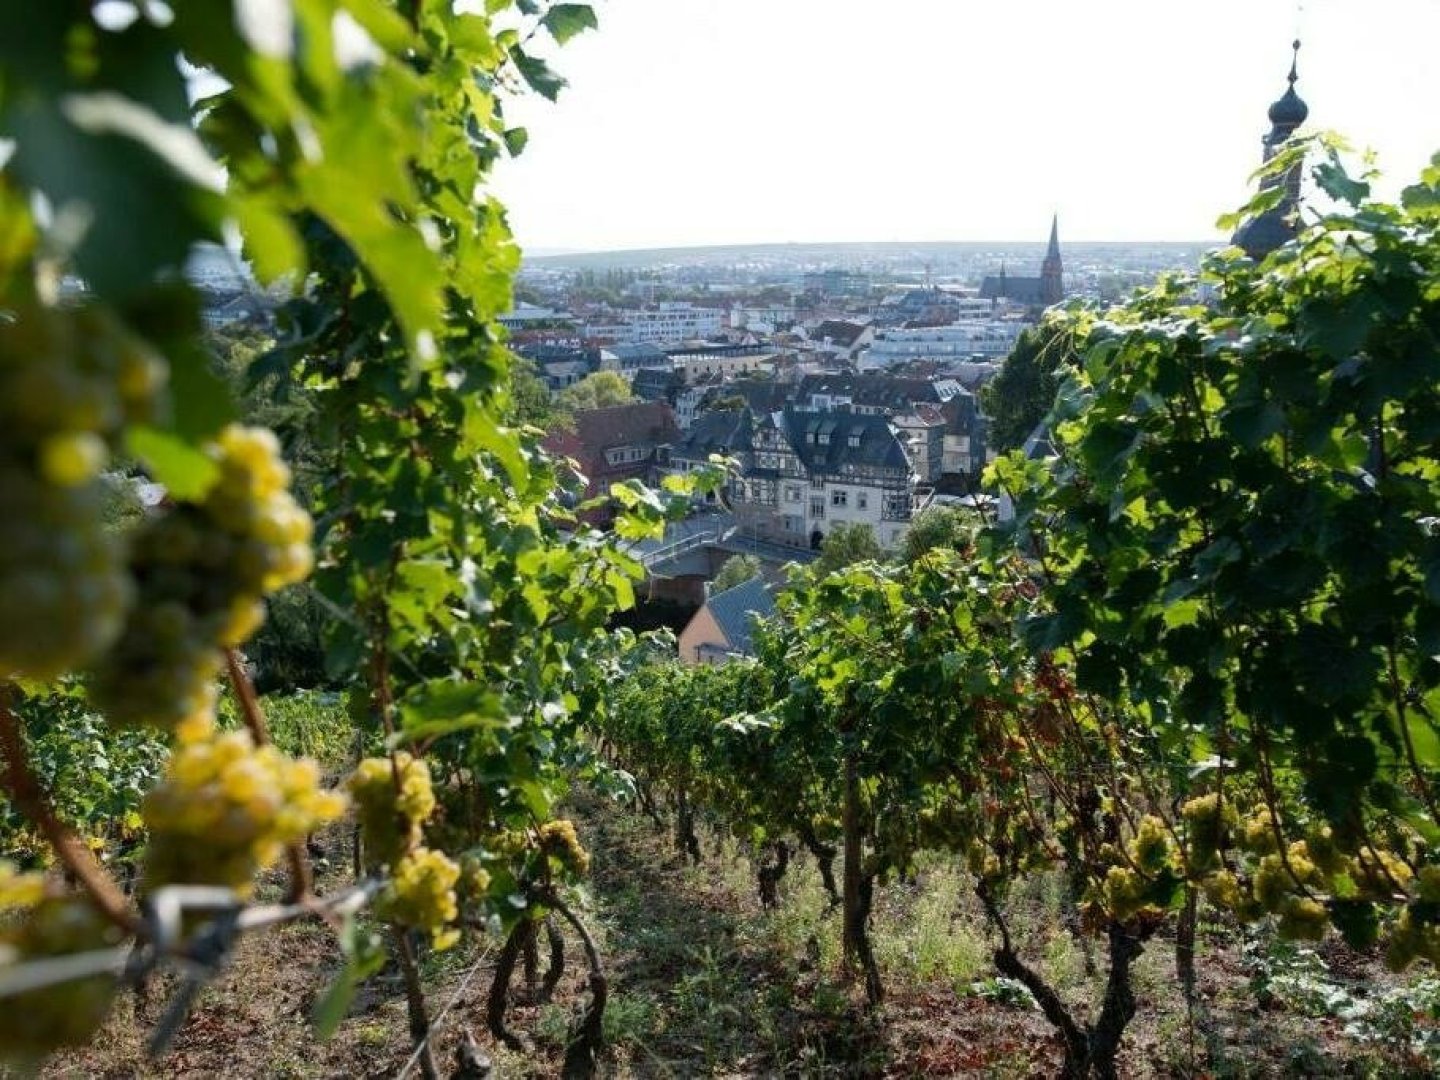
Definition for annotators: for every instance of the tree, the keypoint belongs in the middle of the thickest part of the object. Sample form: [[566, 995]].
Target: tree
[[530, 398], [1021, 394], [724, 403], [938, 527], [598, 390], [737, 570], [848, 542]]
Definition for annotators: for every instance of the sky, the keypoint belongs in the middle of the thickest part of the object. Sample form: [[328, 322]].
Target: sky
[[695, 122]]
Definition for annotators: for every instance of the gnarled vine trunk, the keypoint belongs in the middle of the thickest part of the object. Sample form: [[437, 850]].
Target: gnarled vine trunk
[[1090, 1049], [824, 855], [686, 841], [858, 893], [499, 997], [770, 872], [414, 1001]]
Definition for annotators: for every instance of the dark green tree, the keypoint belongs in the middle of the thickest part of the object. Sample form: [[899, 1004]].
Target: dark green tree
[[1021, 394]]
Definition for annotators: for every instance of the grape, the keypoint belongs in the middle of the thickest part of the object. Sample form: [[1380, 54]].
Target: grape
[[72, 459], [1151, 848], [63, 587], [226, 810], [393, 800], [474, 878], [40, 924], [421, 894], [68, 381], [202, 571], [558, 840], [1303, 919]]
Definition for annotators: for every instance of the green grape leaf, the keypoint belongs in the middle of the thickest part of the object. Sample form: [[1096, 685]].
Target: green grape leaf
[[516, 139], [538, 75], [564, 21], [185, 471], [364, 955]]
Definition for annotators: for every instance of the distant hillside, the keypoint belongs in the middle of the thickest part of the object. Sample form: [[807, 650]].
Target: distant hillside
[[877, 256]]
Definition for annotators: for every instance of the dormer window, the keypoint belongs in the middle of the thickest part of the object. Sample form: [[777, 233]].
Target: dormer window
[[823, 438], [854, 440]]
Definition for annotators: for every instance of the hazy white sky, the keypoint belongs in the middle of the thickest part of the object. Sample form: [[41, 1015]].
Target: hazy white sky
[[739, 121]]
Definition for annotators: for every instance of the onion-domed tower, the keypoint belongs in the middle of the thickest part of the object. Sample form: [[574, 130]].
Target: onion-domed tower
[[1262, 235]]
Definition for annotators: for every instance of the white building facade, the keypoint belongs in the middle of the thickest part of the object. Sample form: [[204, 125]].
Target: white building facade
[[958, 341], [667, 323]]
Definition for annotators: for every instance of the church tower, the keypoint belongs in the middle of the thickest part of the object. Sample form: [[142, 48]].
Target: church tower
[[1262, 235], [1052, 282]]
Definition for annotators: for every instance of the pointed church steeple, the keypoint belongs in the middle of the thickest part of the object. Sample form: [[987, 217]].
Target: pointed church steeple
[[1052, 276], [1262, 235]]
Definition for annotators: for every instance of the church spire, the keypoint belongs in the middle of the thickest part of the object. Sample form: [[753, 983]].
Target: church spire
[[1262, 235], [1052, 276]]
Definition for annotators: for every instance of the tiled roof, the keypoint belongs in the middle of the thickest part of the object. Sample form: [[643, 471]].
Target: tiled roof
[[877, 446], [878, 390], [597, 430], [841, 333], [762, 395], [725, 431], [735, 610]]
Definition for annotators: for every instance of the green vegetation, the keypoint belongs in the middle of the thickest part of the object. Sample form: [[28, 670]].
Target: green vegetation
[[1020, 396], [737, 570], [460, 606], [598, 390], [846, 543], [938, 527]]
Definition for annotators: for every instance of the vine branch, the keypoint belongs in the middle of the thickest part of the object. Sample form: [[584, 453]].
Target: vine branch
[[34, 802]]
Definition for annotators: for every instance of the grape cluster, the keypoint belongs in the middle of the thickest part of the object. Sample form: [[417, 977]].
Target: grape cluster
[[421, 894], [393, 799], [227, 808], [69, 381], [1210, 823], [559, 840], [39, 924], [474, 879], [202, 571]]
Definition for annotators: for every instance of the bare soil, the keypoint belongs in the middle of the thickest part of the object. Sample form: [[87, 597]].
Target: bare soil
[[705, 983]]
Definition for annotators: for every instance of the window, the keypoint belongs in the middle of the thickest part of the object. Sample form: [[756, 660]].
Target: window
[[792, 494], [854, 440], [817, 506], [862, 501], [839, 497]]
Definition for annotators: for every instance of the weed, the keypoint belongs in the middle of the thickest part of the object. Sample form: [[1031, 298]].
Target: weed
[[1003, 991]]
